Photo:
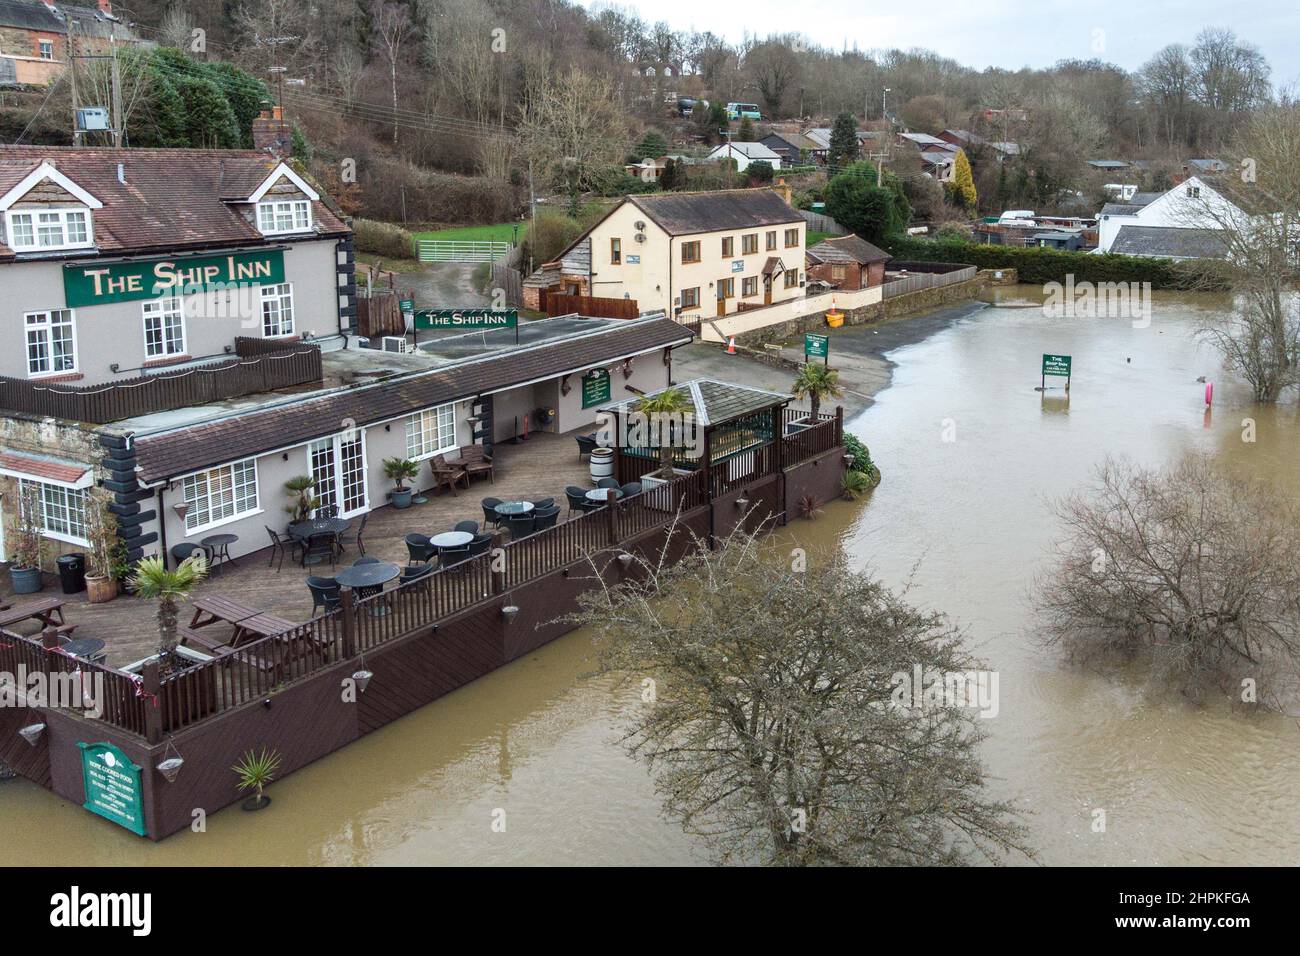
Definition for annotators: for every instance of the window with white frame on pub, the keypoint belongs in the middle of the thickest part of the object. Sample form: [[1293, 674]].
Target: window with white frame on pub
[[62, 510], [293, 215], [431, 432], [51, 342], [277, 310], [47, 49], [48, 229], [220, 494], [164, 328]]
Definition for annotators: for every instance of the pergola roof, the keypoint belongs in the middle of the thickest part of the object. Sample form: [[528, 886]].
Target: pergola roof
[[716, 402]]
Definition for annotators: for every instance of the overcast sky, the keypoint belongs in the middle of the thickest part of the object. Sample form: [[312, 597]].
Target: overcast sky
[[1003, 33]]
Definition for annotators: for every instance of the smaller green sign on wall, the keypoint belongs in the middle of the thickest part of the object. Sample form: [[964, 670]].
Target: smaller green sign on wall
[[113, 788], [595, 388]]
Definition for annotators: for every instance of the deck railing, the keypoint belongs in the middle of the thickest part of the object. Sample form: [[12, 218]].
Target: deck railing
[[810, 440]]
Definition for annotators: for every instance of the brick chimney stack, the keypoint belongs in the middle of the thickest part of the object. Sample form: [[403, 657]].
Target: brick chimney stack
[[105, 7], [272, 134]]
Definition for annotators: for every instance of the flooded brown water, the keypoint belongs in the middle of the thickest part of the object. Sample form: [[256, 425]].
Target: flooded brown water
[[536, 740]]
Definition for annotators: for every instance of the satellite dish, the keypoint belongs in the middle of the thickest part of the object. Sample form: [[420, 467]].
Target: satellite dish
[[639, 237], [639, 226]]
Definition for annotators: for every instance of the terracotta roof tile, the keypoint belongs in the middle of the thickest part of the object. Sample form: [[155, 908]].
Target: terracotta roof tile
[[36, 467]]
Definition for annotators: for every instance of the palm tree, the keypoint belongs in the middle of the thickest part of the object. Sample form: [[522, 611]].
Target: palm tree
[[671, 404], [152, 580], [815, 382]]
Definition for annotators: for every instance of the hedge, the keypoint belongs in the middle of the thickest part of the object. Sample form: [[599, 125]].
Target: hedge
[[1036, 265], [383, 239]]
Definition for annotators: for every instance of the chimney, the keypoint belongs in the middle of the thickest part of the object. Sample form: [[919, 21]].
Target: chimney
[[783, 190], [105, 7], [272, 134]]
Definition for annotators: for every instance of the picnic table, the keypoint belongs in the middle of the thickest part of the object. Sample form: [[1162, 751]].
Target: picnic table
[[249, 622], [45, 610]]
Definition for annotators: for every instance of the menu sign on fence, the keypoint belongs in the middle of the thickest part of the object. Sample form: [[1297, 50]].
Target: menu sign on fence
[[113, 788]]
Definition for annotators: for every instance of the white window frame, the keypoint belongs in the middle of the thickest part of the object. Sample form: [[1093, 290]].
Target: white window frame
[[47, 327], [33, 214], [167, 306], [282, 292], [425, 425], [73, 503], [333, 447], [193, 492], [46, 49], [271, 211]]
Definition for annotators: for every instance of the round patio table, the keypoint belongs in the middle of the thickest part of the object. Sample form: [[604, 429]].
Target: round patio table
[[305, 529], [604, 495], [451, 539], [84, 647], [367, 580], [218, 545], [514, 508]]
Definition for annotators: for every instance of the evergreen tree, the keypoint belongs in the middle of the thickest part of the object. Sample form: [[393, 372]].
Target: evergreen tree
[[961, 191], [746, 132], [652, 145], [874, 212], [844, 141]]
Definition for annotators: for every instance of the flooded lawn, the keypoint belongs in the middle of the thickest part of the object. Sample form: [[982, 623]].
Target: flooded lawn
[[536, 740]]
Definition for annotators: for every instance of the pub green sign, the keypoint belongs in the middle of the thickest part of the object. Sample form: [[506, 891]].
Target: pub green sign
[[90, 283], [1056, 365], [595, 388], [816, 346], [113, 788], [482, 320]]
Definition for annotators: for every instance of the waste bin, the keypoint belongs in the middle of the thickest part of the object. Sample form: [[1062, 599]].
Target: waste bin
[[72, 572]]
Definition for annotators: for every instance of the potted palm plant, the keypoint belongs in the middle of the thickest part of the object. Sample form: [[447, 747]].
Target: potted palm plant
[[815, 382], [400, 470], [154, 582], [302, 498], [670, 406], [106, 549], [255, 771], [29, 543]]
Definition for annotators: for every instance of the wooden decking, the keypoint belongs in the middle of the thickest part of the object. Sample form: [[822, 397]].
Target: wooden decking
[[538, 468]]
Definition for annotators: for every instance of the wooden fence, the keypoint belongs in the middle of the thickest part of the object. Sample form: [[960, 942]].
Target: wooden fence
[[510, 281], [803, 440], [817, 222], [555, 303], [926, 278], [262, 370]]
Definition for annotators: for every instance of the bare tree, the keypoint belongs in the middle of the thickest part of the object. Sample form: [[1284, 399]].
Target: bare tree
[[774, 67], [349, 63], [777, 732], [392, 25], [275, 33], [1256, 213], [1195, 567]]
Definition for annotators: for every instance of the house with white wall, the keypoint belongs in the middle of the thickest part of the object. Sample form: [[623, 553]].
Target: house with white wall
[[1193, 204], [744, 154]]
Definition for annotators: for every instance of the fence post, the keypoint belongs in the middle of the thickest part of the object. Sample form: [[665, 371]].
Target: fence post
[[348, 606], [611, 509], [49, 638], [151, 688], [839, 424]]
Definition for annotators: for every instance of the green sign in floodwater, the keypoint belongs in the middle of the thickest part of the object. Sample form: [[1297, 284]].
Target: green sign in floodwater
[[471, 319], [595, 388], [1056, 365], [93, 283], [112, 786], [816, 346]]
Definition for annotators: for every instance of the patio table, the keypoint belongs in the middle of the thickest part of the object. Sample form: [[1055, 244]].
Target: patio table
[[86, 647], [604, 495], [218, 546], [514, 508], [219, 608], [305, 529], [367, 580], [451, 539]]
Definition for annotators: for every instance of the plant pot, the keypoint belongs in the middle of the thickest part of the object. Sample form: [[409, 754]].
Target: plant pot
[[834, 319], [26, 580], [253, 804], [401, 499], [100, 590]]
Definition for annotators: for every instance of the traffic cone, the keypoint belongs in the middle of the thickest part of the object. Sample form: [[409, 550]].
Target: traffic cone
[[731, 346]]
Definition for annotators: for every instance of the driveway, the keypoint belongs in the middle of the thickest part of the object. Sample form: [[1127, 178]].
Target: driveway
[[444, 285]]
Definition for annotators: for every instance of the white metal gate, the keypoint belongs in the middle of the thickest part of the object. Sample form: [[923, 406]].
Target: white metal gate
[[455, 250]]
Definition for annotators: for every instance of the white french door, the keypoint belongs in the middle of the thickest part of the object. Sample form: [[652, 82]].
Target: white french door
[[339, 466]]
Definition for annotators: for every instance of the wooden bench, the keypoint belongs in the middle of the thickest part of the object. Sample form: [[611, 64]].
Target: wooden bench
[[475, 461], [446, 474]]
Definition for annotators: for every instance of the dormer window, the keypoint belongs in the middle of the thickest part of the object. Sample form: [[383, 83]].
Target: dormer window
[[38, 230], [277, 216]]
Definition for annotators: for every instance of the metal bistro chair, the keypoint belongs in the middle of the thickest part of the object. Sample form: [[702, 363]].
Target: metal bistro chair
[[545, 518], [481, 544], [319, 547], [631, 488], [542, 504], [327, 511], [490, 516], [280, 547], [469, 527], [184, 550], [608, 483], [420, 548], [325, 593], [450, 557], [356, 536], [415, 572], [521, 526], [577, 498], [586, 444], [365, 559]]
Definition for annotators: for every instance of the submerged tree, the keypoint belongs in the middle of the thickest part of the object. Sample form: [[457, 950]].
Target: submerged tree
[[774, 732], [1194, 566]]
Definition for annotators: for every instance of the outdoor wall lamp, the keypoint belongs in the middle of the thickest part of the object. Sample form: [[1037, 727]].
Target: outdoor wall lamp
[[285, 456], [564, 573], [509, 612], [32, 733], [850, 458], [169, 767], [115, 367], [228, 349], [267, 703]]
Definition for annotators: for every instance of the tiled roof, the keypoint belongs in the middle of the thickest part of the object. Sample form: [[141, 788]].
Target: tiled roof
[[1120, 209], [681, 214], [848, 249], [34, 466], [171, 198], [29, 15], [1169, 243], [172, 453], [1143, 199]]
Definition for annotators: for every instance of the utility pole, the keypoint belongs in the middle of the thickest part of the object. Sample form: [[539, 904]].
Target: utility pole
[[72, 76], [119, 130]]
